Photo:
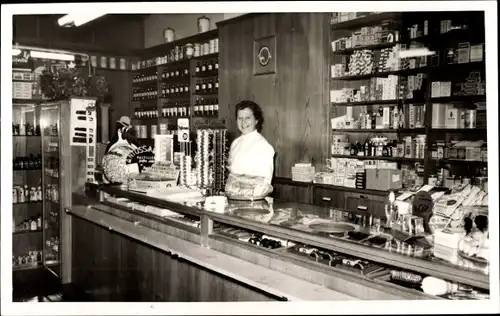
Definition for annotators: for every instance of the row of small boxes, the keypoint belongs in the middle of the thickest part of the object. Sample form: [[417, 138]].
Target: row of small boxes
[[361, 62], [468, 150], [22, 90], [473, 85], [338, 17], [23, 75], [351, 173], [447, 116]]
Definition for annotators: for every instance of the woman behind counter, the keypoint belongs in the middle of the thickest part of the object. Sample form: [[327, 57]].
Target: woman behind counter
[[250, 154]]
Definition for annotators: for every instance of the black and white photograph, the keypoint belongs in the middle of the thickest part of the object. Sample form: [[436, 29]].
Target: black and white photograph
[[311, 158]]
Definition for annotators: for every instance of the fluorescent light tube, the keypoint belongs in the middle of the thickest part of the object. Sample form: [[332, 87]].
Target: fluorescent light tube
[[84, 18], [16, 51], [415, 52], [56, 56], [78, 19]]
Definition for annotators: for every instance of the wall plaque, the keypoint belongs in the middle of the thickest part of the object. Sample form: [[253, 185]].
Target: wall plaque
[[264, 56]]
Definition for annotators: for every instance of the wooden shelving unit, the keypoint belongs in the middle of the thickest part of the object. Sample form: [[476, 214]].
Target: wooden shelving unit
[[177, 96], [437, 68]]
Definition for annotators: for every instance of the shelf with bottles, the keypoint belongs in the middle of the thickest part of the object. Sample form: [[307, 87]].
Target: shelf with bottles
[[178, 74], [30, 162], [472, 130], [381, 74], [52, 193], [176, 109], [206, 107], [26, 129], [146, 77], [409, 148], [52, 147], [28, 259], [459, 161], [181, 50], [175, 90], [145, 113], [52, 249], [207, 68], [51, 131], [145, 94], [207, 86], [383, 130], [25, 194], [33, 224]]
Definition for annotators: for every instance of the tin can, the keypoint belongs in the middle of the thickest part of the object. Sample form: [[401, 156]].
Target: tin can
[[144, 131], [163, 129], [203, 24], [212, 46], [176, 53], [168, 35], [14, 195], [93, 61], [197, 49], [206, 48], [123, 64], [112, 63], [104, 62], [153, 131], [216, 45], [470, 119]]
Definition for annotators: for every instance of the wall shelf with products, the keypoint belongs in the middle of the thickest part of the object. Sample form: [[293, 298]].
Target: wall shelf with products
[[364, 67], [176, 80]]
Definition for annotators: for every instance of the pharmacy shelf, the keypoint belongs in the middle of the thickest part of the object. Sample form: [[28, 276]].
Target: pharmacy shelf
[[460, 161], [398, 159], [368, 20], [401, 72], [374, 131], [459, 130], [350, 50], [460, 98]]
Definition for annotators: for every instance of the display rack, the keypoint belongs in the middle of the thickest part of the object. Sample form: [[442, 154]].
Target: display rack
[[168, 85], [452, 36]]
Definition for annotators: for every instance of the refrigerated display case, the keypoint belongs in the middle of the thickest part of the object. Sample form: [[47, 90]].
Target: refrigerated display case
[[50, 115], [68, 158]]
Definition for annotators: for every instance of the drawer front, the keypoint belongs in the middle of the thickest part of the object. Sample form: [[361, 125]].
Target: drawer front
[[328, 197], [291, 193], [372, 204]]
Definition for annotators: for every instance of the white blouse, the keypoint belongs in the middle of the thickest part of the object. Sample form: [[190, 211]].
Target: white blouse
[[252, 155]]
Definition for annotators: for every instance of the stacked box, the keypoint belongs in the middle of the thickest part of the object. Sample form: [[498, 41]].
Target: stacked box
[[361, 62], [22, 90]]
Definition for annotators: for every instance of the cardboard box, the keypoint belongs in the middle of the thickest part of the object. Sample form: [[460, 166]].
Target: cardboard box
[[436, 89], [452, 117], [383, 179], [438, 115]]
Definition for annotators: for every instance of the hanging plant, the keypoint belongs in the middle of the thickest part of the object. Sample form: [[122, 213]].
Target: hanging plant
[[68, 82]]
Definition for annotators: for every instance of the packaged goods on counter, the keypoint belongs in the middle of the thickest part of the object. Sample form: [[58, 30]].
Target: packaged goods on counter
[[303, 172]]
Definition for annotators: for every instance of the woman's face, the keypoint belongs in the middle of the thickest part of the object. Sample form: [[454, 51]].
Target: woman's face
[[246, 121]]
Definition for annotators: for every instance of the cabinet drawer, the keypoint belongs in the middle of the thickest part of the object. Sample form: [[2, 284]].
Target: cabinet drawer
[[373, 204], [291, 193], [329, 197]]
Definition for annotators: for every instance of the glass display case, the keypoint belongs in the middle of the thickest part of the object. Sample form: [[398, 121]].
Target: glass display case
[[50, 115], [27, 239]]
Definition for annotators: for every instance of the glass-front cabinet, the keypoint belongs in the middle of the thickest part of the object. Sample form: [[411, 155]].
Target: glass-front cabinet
[[50, 124]]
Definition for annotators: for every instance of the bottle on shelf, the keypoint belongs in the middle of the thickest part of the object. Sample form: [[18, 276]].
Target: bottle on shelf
[[203, 86], [197, 68], [203, 68]]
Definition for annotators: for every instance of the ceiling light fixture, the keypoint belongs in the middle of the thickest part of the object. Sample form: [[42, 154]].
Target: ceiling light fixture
[[55, 56], [73, 19]]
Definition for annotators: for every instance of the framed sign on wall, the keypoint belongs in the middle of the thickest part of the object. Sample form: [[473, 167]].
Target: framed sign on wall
[[264, 52]]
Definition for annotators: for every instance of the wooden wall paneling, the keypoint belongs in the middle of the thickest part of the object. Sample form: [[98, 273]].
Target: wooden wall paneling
[[292, 193], [235, 70], [301, 80]]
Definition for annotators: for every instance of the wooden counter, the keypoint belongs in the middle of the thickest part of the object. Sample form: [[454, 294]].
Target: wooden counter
[[141, 256]]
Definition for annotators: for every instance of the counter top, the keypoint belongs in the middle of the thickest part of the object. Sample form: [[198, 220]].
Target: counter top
[[290, 221]]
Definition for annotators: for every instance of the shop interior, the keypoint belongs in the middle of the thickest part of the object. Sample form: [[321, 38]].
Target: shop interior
[[377, 120]]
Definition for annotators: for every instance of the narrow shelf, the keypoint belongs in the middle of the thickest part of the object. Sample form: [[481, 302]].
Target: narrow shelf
[[460, 161], [144, 118], [206, 56], [204, 76], [368, 20], [206, 116], [38, 169], [147, 100], [27, 101], [401, 130], [174, 117], [462, 66], [350, 50], [145, 83], [365, 103], [27, 266], [459, 130], [27, 232], [205, 93], [25, 135], [399, 159], [459, 98], [382, 74], [28, 203]]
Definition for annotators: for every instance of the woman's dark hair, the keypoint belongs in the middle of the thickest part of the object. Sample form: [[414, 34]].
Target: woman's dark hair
[[256, 110]]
